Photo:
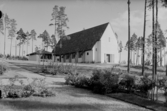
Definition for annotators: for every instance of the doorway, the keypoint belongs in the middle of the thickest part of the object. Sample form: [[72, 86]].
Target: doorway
[[108, 57]]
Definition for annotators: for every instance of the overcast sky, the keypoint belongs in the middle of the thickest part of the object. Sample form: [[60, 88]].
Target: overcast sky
[[36, 14]]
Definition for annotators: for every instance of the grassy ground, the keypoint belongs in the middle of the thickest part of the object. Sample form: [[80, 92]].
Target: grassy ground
[[88, 68], [67, 98]]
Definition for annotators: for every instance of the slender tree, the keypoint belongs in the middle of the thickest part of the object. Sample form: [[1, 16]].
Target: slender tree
[[132, 45], [23, 44], [1, 26], [46, 40], [139, 46], [164, 4], [6, 27], [15, 47], [55, 18], [120, 50], [12, 31], [33, 37], [144, 29], [60, 22], [21, 36], [128, 68], [161, 41], [27, 40]]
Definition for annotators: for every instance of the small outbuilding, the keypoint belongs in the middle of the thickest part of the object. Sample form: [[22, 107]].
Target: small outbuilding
[[40, 55]]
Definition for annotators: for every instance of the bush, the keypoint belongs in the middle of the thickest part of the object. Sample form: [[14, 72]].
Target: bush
[[36, 88], [104, 81], [71, 78], [82, 82], [59, 68], [127, 83], [40, 88], [3, 68], [1, 55], [111, 81], [52, 71], [144, 85]]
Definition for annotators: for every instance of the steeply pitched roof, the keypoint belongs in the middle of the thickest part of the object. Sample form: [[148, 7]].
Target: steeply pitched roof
[[39, 52], [81, 41]]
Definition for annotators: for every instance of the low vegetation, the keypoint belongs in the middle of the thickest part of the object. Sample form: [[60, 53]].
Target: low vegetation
[[57, 69], [37, 87], [115, 81], [14, 57], [3, 68]]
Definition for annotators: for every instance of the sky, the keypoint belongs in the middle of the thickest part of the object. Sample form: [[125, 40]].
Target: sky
[[82, 14]]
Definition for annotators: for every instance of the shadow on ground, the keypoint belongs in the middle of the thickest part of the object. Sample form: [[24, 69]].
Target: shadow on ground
[[30, 105]]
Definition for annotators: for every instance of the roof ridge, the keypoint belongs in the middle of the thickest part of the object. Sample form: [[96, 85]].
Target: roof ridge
[[89, 28], [81, 40]]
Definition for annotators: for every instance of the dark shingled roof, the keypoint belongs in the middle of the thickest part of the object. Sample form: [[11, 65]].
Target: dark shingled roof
[[39, 52], [81, 41]]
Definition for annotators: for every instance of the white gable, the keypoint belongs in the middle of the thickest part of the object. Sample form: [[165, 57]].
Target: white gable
[[109, 45]]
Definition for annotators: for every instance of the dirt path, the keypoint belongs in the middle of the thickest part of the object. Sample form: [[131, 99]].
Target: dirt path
[[77, 99]]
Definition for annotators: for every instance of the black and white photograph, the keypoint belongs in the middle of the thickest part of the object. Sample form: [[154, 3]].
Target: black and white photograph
[[83, 55]]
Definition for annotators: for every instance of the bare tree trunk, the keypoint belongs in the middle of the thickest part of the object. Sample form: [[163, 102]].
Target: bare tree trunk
[[166, 69], [119, 57], [15, 48], [131, 56], [27, 47], [137, 56], [156, 91], [156, 38], [144, 29], [141, 56], [32, 45], [128, 68], [160, 56], [153, 56], [11, 47], [134, 57], [164, 57], [4, 37], [22, 49], [19, 48]]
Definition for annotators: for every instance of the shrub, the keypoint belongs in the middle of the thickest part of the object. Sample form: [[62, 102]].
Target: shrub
[[40, 88], [14, 91], [146, 85], [82, 82], [148, 62], [52, 71], [111, 81], [71, 78], [1, 55], [37, 87], [3, 68], [60, 68], [104, 81], [127, 83]]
